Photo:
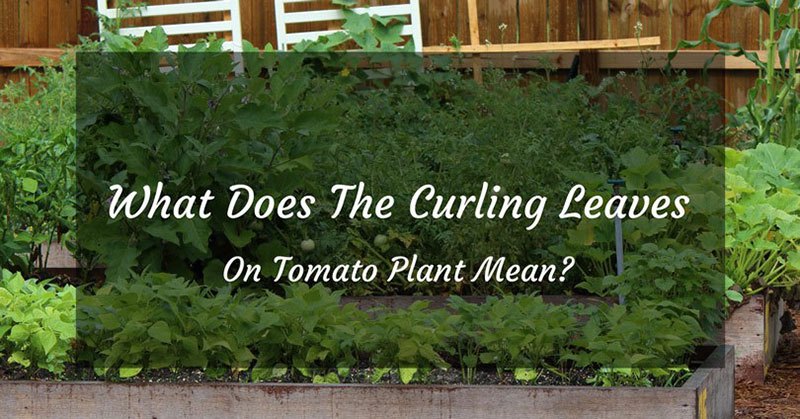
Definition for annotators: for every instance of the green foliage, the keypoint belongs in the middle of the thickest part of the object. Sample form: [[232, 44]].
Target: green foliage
[[410, 340], [158, 320], [684, 276], [307, 331], [445, 133], [37, 185], [126, 9], [370, 33], [648, 334], [763, 217], [520, 333], [37, 322], [193, 128], [278, 124], [640, 377]]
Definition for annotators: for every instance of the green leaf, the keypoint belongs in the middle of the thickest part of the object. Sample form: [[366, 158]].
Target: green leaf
[[195, 232], [120, 261], [356, 23], [154, 40], [407, 349], [664, 284], [793, 260], [160, 331], [526, 374], [163, 230], [786, 43], [29, 185], [734, 296], [18, 357], [47, 339], [14, 283], [239, 237], [266, 254], [128, 372], [407, 374]]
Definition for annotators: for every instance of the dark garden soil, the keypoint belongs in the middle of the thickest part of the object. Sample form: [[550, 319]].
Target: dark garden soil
[[573, 377], [779, 396]]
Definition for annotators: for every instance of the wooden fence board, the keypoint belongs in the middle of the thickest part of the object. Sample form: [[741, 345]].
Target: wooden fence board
[[60, 21], [742, 25], [494, 13], [9, 24], [690, 14], [533, 20], [602, 25], [442, 19], [88, 21], [34, 23], [656, 19], [564, 20], [63, 24], [623, 15], [745, 26]]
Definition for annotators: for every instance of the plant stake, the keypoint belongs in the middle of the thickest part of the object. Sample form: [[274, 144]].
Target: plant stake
[[616, 183]]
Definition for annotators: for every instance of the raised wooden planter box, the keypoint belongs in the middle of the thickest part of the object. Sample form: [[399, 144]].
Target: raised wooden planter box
[[707, 394], [755, 329]]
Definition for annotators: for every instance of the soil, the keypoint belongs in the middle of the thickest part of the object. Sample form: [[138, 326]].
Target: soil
[[362, 375], [779, 396]]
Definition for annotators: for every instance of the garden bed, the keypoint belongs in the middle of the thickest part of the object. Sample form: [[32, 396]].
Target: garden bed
[[754, 329], [708, 394]]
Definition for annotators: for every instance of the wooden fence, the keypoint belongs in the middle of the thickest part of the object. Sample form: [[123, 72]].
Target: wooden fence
[[29, 24]]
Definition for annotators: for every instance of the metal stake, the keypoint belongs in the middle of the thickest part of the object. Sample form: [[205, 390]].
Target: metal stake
[[616, 183]]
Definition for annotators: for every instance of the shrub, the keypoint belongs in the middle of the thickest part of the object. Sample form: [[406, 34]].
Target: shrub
[[763, 217], [307, 331], [37, 322], [37, 163], [158, 321]]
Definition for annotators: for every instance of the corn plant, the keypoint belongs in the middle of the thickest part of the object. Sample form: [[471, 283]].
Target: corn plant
[[771, 114]]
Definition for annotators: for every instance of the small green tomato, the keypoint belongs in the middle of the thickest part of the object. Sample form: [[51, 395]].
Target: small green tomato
[[380, 240], [308, 245]]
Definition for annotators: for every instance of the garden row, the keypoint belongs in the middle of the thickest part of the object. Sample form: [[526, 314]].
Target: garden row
[[309, 335]]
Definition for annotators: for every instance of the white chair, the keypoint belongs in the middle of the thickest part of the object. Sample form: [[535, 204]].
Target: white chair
[[285, 39], [230, 8]]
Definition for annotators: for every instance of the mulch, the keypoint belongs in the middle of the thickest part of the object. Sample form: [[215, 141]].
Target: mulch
[[779, 396]]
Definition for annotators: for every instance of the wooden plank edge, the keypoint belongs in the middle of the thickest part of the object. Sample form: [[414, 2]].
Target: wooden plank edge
[[30, 57], [547, 46], [620, 60], [689, 60], [708, 394], [774, 309], [97, 399], [714, 384]]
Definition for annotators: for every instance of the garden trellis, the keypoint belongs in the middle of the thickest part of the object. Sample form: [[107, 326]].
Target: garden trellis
[[284, 19], [230, 24]]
